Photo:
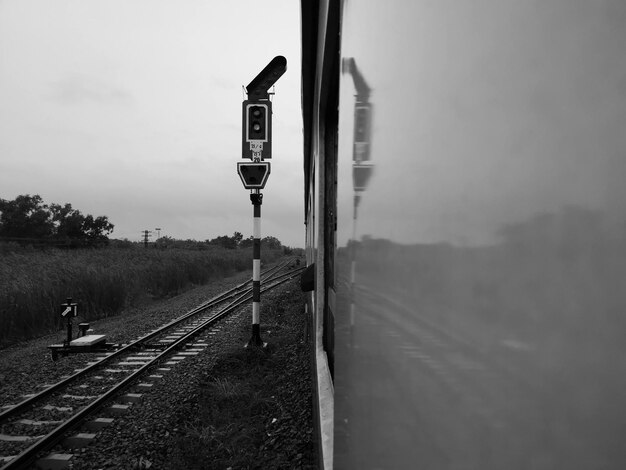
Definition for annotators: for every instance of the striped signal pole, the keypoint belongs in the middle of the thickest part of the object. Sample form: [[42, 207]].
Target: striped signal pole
[[257, 199], [257, 145]]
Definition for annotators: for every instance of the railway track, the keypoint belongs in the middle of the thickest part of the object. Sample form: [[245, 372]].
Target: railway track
[[91, 397], [490, 409], [429, 332]]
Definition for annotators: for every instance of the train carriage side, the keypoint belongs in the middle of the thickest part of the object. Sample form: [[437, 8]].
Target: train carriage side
[[320, 80], [466, 216]]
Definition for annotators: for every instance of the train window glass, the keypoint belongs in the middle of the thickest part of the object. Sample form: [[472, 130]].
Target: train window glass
[[481, 235]]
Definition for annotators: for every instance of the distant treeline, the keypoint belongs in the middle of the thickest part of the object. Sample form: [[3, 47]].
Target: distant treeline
[[27, 220], [551, 278], [234, 242], [237, 241]]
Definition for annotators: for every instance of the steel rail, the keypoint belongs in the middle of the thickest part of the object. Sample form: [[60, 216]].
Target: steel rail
[[29, 454], [286, 276], [49, 390], [450, 337], [21, 406]]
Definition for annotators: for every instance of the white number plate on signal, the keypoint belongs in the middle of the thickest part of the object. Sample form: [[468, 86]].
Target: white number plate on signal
[[256, 146]]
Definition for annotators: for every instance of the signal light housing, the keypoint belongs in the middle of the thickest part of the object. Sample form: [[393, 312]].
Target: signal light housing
[[257, 122], [362, 131], [257, 130]]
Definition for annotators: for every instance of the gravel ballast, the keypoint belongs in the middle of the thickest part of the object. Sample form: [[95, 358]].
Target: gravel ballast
[[227, 407]]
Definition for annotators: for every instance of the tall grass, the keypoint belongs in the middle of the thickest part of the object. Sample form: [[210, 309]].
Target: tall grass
[[33, 284]]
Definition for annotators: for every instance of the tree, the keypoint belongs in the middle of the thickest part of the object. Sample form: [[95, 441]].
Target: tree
[[237, 241], [228, 242], [68, 221], [272, 243], [71, 224], [246, 242], [25, 217], [237, 237], [28, 217], [98, 228], [224, 241]]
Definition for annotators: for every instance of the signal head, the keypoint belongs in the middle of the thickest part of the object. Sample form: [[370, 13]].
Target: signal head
[[257, 129], [257, 122]]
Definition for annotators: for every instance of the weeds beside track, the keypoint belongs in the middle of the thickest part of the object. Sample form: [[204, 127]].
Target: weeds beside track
[[34, 283], [272, 281]]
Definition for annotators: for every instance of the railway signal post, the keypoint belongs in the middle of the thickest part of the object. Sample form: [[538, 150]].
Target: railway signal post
[[257, 146]]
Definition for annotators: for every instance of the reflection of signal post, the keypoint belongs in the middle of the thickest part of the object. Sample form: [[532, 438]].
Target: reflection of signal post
[[362, 168], [257, 146]]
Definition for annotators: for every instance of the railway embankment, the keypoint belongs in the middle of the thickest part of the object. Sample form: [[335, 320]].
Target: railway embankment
[[226, 407]]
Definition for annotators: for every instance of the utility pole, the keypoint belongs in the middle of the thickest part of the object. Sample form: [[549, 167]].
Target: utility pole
[[257, 146], [146, 235]]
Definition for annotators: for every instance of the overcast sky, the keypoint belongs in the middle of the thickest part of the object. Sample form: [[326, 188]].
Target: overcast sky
[[486, 113], [132, 109]]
